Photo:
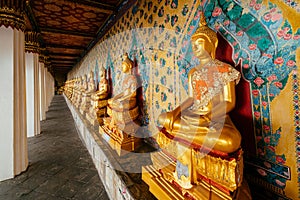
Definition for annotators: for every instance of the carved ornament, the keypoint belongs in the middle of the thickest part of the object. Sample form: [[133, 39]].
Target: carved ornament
[[12, 14], [31, 42]]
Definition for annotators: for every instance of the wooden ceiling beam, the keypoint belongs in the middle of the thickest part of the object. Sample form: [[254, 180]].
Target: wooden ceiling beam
[[64, 55], [103, 7], [63, 63], [62, 67], [59, 46], [65, 32], [62, 59], [69, 62]]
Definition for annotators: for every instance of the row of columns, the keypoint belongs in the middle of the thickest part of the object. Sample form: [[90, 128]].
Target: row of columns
[[26, 88]]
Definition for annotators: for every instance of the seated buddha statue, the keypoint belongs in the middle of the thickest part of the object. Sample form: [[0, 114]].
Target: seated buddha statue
[[91, 87], [203, 119], [79, 90], [74, 89], [99, 100], [124, 101], [200, 130], [83, 94], [120, 128], [103, 87]]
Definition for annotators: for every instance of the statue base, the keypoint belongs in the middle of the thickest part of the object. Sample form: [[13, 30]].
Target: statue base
[[224, 169], [159, 177], [92, 118], [120, 140], [96, 118], [98, 110], [85, 104]]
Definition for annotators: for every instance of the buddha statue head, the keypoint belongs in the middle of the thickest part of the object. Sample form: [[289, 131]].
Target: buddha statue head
[[102, 72], [127, 64], [204, 39]]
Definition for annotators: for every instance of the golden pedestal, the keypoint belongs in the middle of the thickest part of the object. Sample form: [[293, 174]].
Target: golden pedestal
[[97, 111], [120, 140], [207, 174], [159, 177]]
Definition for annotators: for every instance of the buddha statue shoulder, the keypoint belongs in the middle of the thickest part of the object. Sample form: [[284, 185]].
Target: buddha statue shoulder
[[126, 99], [203, 119]]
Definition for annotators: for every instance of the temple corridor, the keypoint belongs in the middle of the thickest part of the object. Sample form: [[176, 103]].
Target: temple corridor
[[150, 100], [60, 166]]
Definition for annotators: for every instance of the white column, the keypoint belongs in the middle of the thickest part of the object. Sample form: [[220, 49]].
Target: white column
[[42, 91], [47, 89], [37, 126], [32, 94], [13, 134]]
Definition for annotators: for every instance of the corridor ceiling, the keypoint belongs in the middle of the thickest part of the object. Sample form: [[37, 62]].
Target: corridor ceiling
[[70, 28]]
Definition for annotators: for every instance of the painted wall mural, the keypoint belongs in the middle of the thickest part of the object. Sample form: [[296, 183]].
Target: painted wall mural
[[266, 46], [264, 40]]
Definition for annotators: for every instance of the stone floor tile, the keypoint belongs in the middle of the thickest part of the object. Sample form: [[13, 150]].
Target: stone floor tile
[[89, 193], [51, 185], [15, 192], [40, 196], [69, 189]]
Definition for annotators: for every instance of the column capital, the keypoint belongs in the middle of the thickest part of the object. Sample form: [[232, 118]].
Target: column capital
[[47, 61], [42, 54], [12, 13], [32, 42]]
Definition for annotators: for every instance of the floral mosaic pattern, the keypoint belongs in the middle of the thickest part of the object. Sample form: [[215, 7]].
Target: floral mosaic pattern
[[267, 48]]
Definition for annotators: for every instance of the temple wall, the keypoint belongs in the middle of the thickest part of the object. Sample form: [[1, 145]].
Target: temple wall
[[263, 37]]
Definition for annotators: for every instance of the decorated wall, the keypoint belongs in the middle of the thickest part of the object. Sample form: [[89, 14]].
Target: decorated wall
[[263, 39]]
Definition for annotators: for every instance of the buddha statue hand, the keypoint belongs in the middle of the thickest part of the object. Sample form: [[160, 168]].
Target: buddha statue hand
[[166, 120]]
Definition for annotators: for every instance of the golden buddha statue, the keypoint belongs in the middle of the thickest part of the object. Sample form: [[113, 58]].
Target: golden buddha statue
[[74, 90], [99, 100], [83, 93], [203, 118], [199, 132], [79, 89], [103, 87], [122, 124], [91, 87], [123, 107]]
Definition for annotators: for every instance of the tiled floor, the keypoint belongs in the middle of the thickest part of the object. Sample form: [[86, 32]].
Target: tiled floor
[[60, 167]]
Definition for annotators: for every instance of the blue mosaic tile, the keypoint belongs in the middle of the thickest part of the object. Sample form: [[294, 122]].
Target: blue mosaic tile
[[246, 20], [235, 13]]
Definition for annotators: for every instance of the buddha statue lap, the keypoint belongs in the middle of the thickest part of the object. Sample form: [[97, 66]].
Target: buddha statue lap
[[122, 123], [199, 132], [97, 110]]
